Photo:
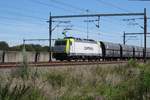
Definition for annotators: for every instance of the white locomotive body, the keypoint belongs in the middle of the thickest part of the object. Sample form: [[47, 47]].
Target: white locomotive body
[[85, 48], [74, 48]]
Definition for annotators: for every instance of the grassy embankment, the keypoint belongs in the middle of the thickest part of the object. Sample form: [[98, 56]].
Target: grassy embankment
[[120, 82]]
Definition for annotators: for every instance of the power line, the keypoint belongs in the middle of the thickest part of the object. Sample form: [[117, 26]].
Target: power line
[[27, 33], [113, 5], [62, 4], [51, 5], [69, 5], [23, 15], [8, 18], [21, 9], [16, 19], [18, 25], [134, 20]]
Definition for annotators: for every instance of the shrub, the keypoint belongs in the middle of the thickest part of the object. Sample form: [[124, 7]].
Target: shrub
[[132, 63]]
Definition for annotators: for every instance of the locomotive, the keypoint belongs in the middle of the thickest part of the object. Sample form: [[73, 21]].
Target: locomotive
[[70, 48]]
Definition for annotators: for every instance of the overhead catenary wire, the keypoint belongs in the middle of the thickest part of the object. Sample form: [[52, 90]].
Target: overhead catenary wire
[[83, 31], [96, 30], [91, 29], [108, 36]]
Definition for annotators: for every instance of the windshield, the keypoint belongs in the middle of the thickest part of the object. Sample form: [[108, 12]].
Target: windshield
[[60, 42]]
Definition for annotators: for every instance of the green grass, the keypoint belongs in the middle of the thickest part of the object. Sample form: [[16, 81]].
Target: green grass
[[120, 82], [20, 92]]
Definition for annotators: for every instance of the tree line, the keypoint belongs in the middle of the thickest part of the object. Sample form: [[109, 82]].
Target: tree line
[[29, 47]]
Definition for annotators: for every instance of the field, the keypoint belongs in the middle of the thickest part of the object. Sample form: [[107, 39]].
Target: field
[[98, 82]]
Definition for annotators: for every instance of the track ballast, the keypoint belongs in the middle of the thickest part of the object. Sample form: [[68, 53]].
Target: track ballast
[[59, 64]]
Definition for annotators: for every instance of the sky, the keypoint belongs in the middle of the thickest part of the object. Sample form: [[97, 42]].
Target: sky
[[27, 19]]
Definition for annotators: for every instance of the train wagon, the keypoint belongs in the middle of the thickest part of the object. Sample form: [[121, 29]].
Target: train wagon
[[148, 52], [1, 56], [127, 51], [75, 48], [138, 51], [111, 50]]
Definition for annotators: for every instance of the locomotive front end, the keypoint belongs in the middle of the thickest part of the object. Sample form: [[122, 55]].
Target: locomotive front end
[[60, 49]]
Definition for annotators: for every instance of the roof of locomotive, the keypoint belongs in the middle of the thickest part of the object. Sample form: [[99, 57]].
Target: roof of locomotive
[[81, 40]]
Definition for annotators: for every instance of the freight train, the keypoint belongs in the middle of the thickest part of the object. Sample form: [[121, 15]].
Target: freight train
[[71, 48]]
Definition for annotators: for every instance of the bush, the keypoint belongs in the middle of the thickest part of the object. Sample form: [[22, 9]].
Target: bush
[[132, 63]]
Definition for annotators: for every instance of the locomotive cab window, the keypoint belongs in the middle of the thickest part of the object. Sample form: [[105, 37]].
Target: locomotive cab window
[[60, 43], [70, 43]]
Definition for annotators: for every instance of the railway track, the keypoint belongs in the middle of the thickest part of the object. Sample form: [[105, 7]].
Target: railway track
[[58, 64]]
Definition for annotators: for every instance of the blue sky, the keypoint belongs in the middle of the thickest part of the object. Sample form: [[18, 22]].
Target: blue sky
[[26, 19]]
